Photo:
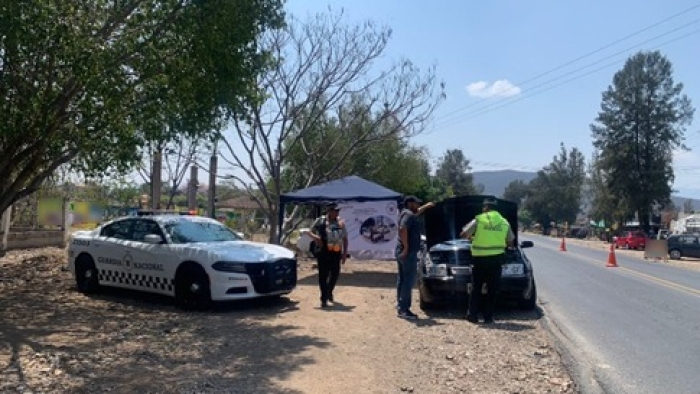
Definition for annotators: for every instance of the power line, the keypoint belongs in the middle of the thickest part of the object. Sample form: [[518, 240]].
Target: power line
[[625, 38], [489, 108]]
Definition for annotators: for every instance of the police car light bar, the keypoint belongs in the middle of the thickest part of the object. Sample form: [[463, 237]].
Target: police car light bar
[[151, 212]]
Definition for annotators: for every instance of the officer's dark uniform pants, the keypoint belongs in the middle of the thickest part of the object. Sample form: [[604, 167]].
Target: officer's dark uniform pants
[[328, 272], [486, 269]]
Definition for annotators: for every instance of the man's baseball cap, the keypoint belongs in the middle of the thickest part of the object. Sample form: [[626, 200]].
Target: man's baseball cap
[[332, 207], [490, 201], [415, 199]]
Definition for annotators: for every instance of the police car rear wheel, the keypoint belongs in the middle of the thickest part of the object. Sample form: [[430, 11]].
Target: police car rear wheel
[[86, 275], [192, 288]]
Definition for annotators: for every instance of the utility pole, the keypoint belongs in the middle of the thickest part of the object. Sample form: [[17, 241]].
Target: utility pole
[[156, 178], [211, 206], [192, 190]]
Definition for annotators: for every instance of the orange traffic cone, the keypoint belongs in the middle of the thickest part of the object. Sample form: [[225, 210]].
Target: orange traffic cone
[[612, 261], [562, 247]]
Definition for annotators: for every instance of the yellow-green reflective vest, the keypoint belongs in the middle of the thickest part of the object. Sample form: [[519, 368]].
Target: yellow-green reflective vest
[[490, 236]]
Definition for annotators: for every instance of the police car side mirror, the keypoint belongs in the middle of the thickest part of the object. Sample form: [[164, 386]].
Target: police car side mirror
[[154, 239], [527, 244]]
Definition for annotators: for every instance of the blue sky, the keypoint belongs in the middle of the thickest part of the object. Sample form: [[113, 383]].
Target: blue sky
[[479, 43]]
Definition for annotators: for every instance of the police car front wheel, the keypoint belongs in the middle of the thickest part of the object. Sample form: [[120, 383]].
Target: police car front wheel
[[192, 290], [86, 275]]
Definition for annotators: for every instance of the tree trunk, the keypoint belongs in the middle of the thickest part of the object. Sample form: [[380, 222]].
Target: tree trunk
[[273, 222]]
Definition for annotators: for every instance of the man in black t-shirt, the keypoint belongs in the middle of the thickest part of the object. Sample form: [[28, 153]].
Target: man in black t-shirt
[[407, 249]]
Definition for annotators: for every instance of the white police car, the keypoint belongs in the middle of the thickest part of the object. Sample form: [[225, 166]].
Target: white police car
[[195, 259]]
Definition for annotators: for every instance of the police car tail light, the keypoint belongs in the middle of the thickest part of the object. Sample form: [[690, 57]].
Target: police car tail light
[[229, 266]]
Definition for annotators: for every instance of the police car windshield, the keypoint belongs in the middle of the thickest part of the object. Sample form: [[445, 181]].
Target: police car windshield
[[190, 231]]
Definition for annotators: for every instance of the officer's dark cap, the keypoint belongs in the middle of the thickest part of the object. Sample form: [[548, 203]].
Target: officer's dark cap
[[490, 202], [332, 207], [415, 199]]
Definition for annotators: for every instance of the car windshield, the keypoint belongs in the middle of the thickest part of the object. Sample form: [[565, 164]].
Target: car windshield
[[190, 231]]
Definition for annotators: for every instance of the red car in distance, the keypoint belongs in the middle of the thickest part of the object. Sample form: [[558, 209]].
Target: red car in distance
[[631, 240]]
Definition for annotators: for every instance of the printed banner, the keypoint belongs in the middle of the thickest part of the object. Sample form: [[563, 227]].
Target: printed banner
[[372, 229], [50, 212], [84, 215]]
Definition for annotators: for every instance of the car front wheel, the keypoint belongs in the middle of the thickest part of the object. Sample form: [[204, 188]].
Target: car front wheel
[[192, 289], [675, 254], [86, 275]]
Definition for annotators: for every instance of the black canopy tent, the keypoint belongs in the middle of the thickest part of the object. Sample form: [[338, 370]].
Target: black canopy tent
[[351, 188]]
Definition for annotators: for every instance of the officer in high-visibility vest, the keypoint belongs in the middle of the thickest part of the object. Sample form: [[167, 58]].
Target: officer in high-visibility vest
[[491, 235]]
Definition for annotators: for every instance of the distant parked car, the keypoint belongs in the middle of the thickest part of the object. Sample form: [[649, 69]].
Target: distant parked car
[[631, 240], [683, 245]]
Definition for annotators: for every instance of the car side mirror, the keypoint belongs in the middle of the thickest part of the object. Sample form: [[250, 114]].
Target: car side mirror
[[527, 244], [154, 239]]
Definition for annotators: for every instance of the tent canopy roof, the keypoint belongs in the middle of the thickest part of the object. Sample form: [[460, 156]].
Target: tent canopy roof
[[351, 188]]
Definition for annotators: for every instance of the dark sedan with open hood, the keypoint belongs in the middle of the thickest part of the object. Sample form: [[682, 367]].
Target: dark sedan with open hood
[[446, 262]]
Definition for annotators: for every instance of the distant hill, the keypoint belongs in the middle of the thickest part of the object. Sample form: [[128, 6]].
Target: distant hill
[[495, 183]]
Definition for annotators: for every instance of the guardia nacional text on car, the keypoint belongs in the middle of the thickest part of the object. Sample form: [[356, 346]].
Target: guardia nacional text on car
[[195, 259]]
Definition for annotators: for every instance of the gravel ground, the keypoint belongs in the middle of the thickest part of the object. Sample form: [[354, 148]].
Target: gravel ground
[[55, 340]]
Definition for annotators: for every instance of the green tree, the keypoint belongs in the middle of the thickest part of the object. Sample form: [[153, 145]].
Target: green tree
[[85, 84], [603, 203], [453, 170], [385, 158], [516, 191], [643, 118], [556, 193]]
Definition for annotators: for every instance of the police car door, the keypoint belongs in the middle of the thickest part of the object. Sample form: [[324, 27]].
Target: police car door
[[148, 262], [108, 251]]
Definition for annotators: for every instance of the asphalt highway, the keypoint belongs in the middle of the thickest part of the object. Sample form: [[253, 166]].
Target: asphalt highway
[[636, 327]]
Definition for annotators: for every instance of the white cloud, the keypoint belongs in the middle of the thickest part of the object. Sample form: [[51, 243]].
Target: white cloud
[[500, 88]]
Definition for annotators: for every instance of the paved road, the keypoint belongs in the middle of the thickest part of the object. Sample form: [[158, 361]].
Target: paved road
[[636, 325]]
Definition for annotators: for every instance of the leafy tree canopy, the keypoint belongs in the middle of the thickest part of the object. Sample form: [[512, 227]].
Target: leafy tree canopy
[[642, 119], [86, 83]]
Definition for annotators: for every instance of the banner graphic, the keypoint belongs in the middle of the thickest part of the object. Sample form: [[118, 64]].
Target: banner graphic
[[372, 229]]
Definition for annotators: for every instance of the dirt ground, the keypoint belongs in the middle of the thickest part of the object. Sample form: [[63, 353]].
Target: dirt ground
[[56, 340]]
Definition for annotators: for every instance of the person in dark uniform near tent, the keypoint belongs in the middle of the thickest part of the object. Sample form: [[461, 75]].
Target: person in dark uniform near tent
[[491, 234], [330, 234]]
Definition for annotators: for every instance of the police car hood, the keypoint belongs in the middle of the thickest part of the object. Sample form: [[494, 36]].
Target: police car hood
[[246, 251], [443, 223]]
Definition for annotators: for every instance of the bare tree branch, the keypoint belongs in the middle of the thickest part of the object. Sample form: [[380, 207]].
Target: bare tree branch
[[324, 63], [178, 156]]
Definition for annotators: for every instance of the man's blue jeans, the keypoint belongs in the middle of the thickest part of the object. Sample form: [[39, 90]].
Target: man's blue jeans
[[408, 268]]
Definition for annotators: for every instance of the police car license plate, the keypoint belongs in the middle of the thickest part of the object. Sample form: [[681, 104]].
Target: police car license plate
[[512, 269]]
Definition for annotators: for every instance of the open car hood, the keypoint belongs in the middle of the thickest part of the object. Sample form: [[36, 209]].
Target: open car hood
[[445, 220]]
